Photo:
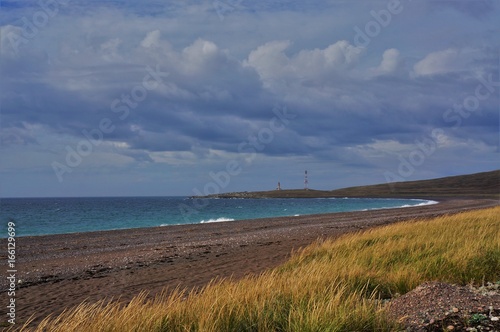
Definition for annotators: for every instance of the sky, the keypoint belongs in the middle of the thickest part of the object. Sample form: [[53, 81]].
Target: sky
[[182, 97]]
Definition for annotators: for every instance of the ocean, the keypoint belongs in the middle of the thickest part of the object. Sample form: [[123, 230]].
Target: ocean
[[42, 216]]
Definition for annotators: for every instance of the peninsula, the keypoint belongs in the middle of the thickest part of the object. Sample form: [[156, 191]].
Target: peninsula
[[478, 185]]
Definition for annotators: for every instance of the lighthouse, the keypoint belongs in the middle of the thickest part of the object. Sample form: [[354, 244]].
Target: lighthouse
[[306, 181]]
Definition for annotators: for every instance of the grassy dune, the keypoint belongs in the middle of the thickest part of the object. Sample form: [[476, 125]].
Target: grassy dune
[[329, 286]]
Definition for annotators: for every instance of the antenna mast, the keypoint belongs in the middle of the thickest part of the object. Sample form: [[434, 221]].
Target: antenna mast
[[306, 181]]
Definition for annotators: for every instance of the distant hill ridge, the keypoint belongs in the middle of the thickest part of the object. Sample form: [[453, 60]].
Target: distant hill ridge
[[478, 185]]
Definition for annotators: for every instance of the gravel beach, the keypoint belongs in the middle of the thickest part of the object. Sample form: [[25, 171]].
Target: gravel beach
[[61, 271]]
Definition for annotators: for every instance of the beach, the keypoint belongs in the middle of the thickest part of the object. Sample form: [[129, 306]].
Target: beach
[[61, 271]]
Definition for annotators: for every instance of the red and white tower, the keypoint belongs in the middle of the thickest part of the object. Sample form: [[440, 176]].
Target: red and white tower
[[306, 181]]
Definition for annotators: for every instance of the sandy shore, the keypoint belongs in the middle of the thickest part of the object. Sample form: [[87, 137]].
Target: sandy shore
[[60, 271]]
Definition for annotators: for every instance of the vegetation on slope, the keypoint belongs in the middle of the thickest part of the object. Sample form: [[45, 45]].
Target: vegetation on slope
[[334, 285], [479, 185]]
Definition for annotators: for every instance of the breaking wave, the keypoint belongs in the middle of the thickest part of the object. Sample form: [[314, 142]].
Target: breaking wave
[[216, 220]]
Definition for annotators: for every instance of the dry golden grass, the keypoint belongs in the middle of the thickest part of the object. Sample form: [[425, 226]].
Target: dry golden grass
[[332, 285], [460, 248]]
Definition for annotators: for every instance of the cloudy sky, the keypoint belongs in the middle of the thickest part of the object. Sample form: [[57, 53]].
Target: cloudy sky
[[104, 98]]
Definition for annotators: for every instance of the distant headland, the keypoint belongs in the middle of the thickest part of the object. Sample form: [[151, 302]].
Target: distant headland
[[478, 185]]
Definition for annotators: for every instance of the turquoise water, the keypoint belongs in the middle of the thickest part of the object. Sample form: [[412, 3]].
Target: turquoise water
[[40, 216]]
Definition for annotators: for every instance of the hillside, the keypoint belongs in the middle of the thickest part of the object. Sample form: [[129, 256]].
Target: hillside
[[484, 184], [478, 185]]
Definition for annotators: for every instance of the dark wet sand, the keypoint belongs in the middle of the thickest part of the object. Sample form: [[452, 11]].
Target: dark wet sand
[[60, 271]]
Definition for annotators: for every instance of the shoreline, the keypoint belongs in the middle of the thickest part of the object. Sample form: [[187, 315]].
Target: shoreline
[[424, 203], [59, 271]]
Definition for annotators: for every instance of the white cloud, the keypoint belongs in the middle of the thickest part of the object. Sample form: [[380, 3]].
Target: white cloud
[[391, 62], [446, 61], [152, 39], [339, 55], [437, 63], [201, 56], [269, 59], [274, 65]]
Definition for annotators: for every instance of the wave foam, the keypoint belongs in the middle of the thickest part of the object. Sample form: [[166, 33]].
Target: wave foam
[[216, 220], [425, 202]]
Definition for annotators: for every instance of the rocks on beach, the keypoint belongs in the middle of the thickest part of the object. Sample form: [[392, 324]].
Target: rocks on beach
[[438, 306]]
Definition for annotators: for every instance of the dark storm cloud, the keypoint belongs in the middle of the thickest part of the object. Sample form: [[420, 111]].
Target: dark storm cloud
[[209, 99]]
